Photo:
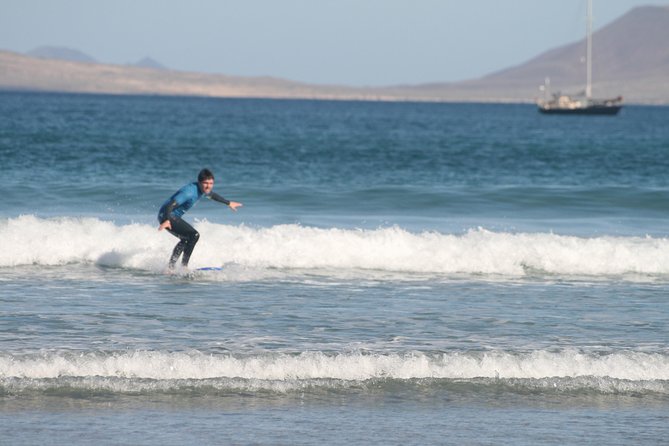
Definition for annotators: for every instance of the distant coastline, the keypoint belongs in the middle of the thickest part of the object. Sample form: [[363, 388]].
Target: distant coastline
[[24, 73], [640, 74]]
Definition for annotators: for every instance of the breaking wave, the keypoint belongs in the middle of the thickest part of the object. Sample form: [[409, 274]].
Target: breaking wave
[[29, 240], [153, 371]]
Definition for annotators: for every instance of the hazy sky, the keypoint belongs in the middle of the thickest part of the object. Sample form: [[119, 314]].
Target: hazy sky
[[354, 42]]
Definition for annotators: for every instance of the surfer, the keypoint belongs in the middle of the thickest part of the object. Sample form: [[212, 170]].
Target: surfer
[[173, 209]]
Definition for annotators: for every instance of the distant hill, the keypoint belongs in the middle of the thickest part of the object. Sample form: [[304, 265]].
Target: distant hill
[[148, 62], [631, 58], [60, 53], [21, 72], [631, 49]]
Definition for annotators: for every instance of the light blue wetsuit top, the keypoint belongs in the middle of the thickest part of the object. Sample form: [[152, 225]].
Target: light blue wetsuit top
[[184, 199]]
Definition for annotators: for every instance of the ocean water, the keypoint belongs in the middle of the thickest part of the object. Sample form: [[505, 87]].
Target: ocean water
[[400, 273]]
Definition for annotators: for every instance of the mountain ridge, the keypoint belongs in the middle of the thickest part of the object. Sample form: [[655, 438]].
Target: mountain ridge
[[61, 53]]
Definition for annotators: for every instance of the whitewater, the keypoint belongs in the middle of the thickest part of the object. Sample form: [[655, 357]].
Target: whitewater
[[29, 240], [313, 365]]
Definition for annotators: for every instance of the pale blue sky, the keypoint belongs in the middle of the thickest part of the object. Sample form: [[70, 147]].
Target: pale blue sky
[[353, 42]]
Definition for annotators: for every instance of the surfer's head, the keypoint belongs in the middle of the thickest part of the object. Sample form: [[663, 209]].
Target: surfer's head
[[205, 174], [205, 179]]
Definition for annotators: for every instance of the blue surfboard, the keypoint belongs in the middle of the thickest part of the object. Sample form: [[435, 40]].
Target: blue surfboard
[[210, 268]]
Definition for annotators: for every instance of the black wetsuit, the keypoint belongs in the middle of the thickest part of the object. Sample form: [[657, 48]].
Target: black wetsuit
[[172, 210]]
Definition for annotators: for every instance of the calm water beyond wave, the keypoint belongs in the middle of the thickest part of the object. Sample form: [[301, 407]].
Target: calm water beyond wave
[[400, 273]]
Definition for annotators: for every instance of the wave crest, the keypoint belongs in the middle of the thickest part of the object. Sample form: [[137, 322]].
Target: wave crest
[[143, 371], [30, 240]]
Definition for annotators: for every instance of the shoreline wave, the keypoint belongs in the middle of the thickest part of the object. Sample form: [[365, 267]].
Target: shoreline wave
[[30, 240], [625, 372]]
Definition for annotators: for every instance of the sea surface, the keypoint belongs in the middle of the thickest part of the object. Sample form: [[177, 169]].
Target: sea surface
[[399, 274]]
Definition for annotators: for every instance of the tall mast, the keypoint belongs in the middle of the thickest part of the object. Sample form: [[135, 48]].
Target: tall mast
[[588, 53]]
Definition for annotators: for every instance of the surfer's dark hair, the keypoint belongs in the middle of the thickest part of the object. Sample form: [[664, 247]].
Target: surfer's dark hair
[[205, 174]]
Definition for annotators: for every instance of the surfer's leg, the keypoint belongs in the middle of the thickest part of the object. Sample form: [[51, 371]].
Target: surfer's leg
[[190, 245], [188, 238], [178, 249]]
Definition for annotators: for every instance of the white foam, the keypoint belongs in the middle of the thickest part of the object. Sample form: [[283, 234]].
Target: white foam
[[28, 240], [625, 365], [31, 240]]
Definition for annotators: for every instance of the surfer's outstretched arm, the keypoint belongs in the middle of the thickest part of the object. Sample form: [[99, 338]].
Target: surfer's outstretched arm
[[231, 204]]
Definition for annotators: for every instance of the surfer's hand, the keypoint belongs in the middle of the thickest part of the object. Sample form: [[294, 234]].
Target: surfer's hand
[[234, 205], [165, 225]]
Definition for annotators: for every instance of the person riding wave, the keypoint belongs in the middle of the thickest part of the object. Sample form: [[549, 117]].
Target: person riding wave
[[178, 204]]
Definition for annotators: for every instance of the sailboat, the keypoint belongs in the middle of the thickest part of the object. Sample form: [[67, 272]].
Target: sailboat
[[584, 105]]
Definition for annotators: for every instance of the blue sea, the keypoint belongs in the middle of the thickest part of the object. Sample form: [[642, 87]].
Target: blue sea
[[399, 274]]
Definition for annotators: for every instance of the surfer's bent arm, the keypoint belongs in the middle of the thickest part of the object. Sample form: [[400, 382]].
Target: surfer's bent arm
[[165, 224], [169, 208]]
